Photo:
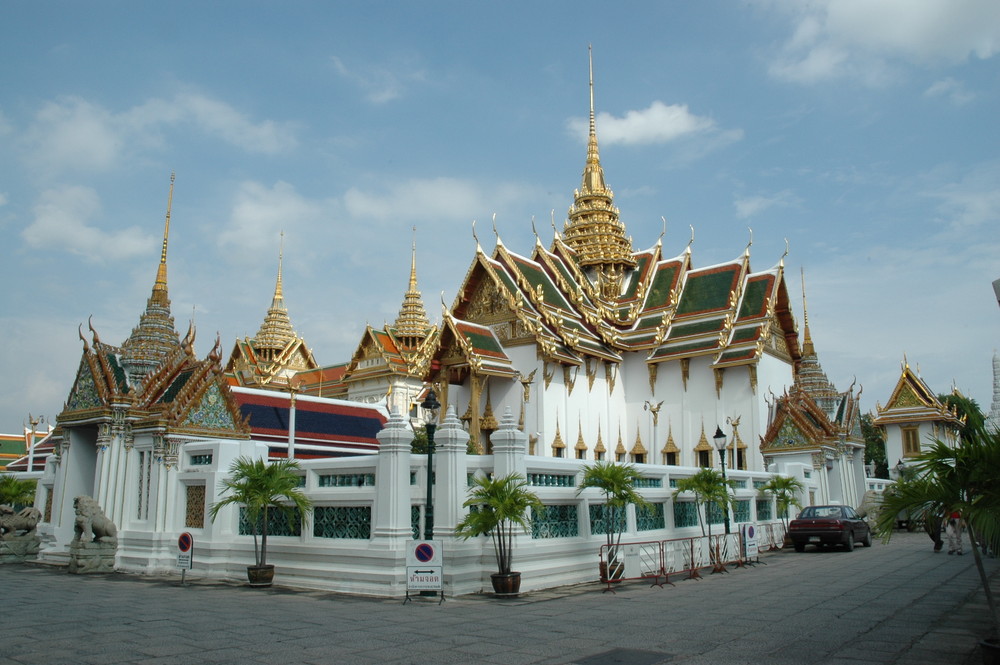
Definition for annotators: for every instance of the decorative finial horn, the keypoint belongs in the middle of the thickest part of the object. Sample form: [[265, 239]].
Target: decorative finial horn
[[691, 241], [664, 231]]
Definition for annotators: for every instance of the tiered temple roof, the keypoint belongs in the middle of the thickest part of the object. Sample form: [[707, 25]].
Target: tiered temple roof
[[275, 354]]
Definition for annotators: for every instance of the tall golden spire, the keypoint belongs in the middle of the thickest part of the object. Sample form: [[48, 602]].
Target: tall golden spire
[[593, 229], [412, 325], [807, 343], [276, 331], [155, 336]]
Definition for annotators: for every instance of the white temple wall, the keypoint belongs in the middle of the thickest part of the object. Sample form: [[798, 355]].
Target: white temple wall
[[375, 565]]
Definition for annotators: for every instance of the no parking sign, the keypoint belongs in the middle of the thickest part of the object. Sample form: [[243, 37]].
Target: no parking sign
[[424, 566], [185, 547]]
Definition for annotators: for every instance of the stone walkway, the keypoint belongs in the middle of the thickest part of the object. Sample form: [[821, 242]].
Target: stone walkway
[[895, 603]]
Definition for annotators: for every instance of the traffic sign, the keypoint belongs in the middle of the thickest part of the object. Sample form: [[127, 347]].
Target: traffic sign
[[185, 556], [424, 569]]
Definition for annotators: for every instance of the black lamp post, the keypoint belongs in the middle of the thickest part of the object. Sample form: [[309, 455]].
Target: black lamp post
[[720, 444], [430, 405]]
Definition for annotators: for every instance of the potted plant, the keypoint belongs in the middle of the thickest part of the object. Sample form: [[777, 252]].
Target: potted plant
[[496, 507], [260, 486], [786, 491], [708, 487], [964, 479], [15, 492], [617, 483]]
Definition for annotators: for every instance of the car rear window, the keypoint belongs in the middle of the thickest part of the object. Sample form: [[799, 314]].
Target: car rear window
[[822, 511]]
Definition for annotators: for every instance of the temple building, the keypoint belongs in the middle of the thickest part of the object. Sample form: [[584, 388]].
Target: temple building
[[129, 411], [913, 418], [605, 352], [814, 431], [272, 357]]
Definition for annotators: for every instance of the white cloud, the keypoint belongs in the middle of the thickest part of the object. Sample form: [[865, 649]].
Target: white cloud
[[381, 84], [73, 134], [3, 198], [864, 39], [952, 90], [260, 213], [660, 123], [750, 206], [61, 223], [972, 202], [432, 198]]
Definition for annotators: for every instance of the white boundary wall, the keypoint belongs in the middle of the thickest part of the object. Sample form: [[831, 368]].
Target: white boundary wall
[[377, 565]]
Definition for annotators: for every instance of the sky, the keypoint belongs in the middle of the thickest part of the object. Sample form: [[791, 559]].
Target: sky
[[861, 134]]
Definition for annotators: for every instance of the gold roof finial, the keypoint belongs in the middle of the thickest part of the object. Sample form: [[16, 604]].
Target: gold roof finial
[[161, 271], [807, 343], [155, 336], [412, 324], [593, 229], [276, 331]]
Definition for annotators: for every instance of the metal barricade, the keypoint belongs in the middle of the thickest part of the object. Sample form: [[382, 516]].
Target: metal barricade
[[631, 561]]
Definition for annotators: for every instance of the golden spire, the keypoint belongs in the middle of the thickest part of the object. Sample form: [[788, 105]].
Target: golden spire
[[412, 325], [155, 336], [161, 272], [807, 343], [593, 229], [276, 331]]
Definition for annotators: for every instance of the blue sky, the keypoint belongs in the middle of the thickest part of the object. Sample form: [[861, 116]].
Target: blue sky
[[864, 132]]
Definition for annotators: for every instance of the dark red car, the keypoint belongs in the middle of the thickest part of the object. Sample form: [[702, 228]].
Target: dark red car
[[829, 525]]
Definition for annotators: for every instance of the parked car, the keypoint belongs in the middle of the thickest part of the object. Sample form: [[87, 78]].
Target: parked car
[[829, 525]]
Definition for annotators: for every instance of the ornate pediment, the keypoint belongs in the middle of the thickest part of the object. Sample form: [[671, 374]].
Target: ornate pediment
[[212, 411], [84, 395]]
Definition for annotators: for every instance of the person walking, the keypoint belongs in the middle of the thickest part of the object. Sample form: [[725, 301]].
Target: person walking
[[954, 531]]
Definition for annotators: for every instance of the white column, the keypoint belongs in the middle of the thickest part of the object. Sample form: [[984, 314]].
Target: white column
[[510, 445], [451, 469], [392, 480]]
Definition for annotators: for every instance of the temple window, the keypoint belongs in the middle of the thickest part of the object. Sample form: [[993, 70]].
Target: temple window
[[911, 440]]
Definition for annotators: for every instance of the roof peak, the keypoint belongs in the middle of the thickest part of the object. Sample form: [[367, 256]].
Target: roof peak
[[593, 229]]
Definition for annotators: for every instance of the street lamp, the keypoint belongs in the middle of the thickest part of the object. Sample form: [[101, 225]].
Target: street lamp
[[431, 406], [720, 444]]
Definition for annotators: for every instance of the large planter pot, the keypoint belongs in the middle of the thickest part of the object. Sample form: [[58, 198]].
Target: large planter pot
[[991, 651], [506, 584], [612, 573], [260, 575]]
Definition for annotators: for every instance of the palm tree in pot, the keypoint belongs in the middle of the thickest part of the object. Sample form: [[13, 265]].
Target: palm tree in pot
[[786, 491], [708, 488], [617, 483], [496, 507], [964, 479], [261, 487]]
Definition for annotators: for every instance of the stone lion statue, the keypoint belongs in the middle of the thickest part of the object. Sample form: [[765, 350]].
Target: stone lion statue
[[91, 524], [25, 521]]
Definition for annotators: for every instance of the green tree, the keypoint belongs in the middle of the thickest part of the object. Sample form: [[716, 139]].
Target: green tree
[[874, 446], [968, 411], [709, 488], [617, 483], [786, 491], [261, 486], [497, 506], [965, 479], [15, 492], [419, 445]]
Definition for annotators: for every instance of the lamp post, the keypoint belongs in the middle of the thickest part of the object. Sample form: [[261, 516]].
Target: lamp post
[[720, 444], [430, 405], [31, 440]]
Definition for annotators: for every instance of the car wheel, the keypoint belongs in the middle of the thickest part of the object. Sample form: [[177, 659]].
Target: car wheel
[[849, 545], [867, 542], [800, 547]]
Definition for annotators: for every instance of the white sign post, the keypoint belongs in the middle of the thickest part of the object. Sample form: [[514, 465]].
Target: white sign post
[[424, 567]]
